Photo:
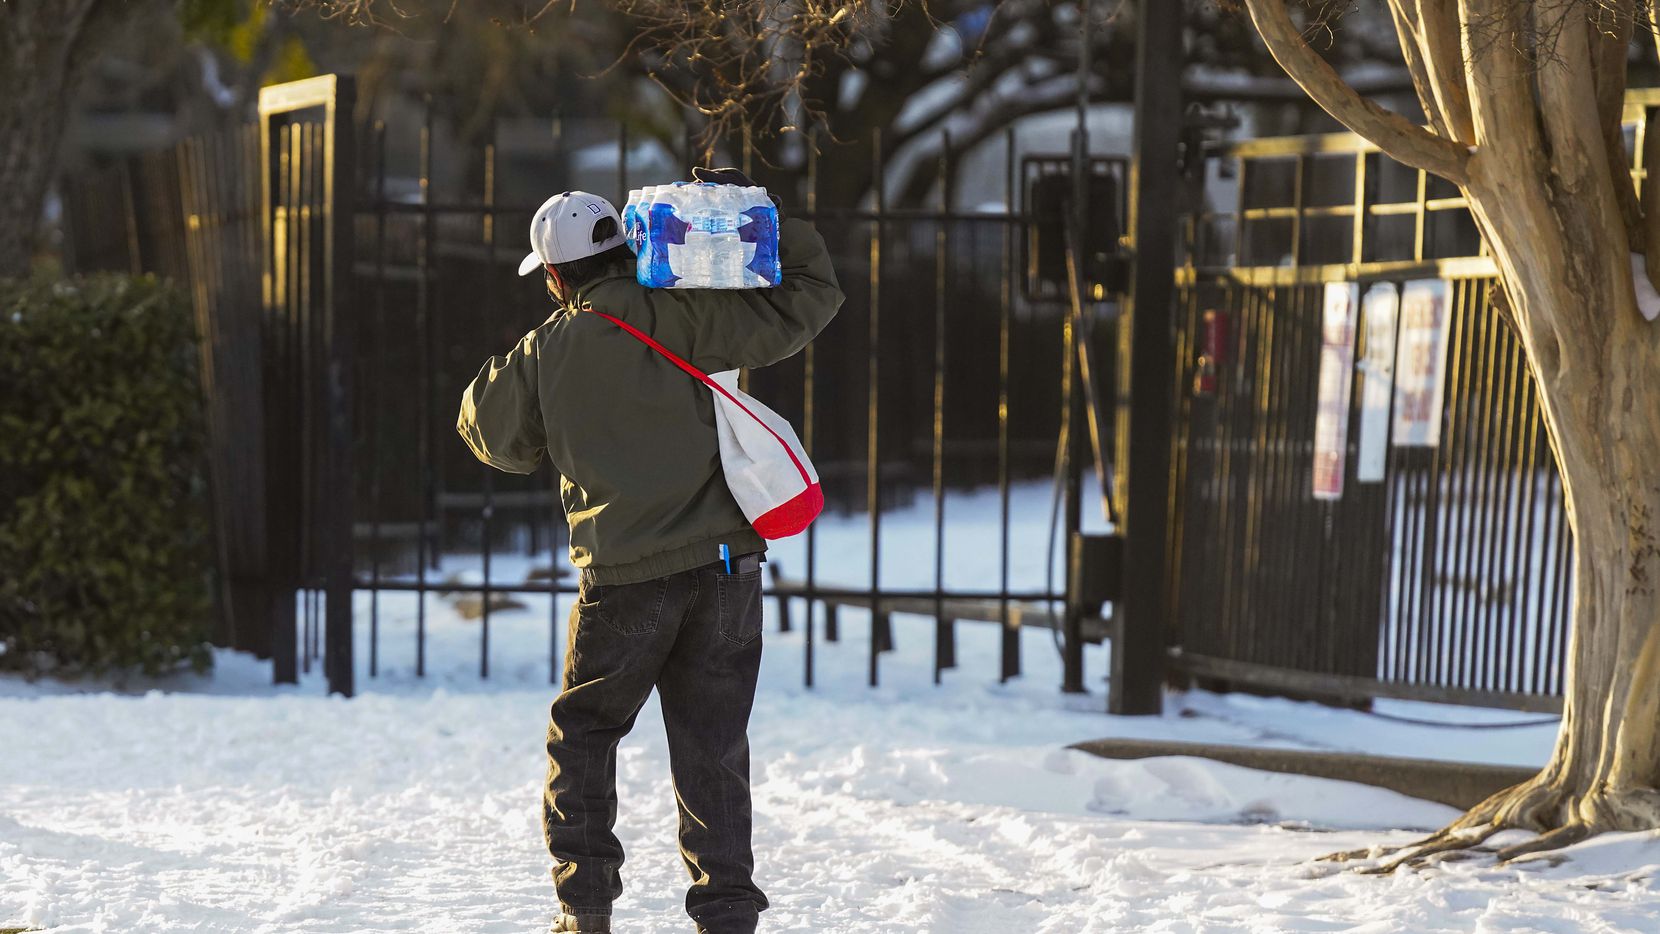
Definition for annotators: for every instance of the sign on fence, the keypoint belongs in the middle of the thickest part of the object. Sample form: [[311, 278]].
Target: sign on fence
[[1331, 418], [1420, 357], [1377, 367]]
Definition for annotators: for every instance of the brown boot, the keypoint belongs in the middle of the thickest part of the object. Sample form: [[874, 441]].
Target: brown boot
[[583, 924]]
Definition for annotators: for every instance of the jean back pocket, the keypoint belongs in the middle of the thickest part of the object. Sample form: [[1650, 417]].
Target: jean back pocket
[[740, 606]]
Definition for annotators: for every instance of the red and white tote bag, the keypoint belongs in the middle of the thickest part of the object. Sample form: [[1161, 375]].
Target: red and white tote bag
[[766, 467]]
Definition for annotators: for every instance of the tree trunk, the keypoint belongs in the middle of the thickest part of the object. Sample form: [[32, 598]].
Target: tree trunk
[[1566, 265], [1565, 261], [1525, 120]]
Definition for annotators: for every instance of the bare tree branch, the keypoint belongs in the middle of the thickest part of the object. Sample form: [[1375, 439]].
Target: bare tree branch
[[1394, 134], [1409, 32], [1611, 25], [1444, 61]]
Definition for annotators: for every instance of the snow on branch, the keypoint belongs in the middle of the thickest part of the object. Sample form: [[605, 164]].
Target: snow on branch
[[1394, 134]]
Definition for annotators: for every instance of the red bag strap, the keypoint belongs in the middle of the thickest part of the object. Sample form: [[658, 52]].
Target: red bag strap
[[704, 378], [673, 358]]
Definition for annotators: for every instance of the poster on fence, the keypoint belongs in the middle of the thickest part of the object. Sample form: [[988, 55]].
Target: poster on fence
[[1331, 415], [1420, 358], [1377, 369]]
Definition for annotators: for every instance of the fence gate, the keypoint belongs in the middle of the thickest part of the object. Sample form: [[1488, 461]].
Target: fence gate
[[1443, 571], [306, 188]]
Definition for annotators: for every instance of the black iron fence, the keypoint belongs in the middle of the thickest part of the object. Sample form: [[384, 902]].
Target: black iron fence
[[1435, 566], [937, 373], [370, 273]]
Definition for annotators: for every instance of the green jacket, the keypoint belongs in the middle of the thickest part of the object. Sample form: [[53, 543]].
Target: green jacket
[[632, 436]]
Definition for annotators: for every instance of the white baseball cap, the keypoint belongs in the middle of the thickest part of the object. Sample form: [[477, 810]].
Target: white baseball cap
[[563, 230]]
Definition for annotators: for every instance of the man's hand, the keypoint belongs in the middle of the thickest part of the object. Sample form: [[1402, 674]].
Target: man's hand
[[727, 176], [731, 176]]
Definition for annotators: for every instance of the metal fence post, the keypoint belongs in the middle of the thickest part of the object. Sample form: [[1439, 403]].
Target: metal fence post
[[1151, 363], [338, 486]]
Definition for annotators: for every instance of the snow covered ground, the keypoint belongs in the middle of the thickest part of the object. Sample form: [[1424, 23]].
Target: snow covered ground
[[221, 803]]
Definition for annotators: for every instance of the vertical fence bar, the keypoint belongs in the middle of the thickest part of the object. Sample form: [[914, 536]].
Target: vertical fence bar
[[808, 423], [873, 481], [944, 630], [377, 394], [1009, 647], [423, 401], [489, 507]]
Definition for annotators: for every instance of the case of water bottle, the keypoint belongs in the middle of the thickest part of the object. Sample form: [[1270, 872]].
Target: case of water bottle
[[694, 235]]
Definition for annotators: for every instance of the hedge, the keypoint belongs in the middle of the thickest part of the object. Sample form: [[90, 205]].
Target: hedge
[[105, 555]]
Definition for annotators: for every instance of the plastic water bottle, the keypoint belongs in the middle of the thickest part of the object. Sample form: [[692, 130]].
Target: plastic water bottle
[[725, 249], [631, 219], [761, 262], [706, 242], [642, 199], [656, 265]]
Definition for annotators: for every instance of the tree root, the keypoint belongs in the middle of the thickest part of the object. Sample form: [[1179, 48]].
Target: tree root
[[1540, 805], [1418, 854], [1554, 840], [1515, 808]]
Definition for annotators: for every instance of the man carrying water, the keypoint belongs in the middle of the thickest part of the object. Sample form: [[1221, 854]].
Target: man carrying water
[[634, 441]]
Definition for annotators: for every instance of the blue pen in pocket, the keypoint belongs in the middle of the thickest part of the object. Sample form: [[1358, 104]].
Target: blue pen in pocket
[[726, 558]]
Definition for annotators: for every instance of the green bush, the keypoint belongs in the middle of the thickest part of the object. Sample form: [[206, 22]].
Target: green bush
[[105, 556]]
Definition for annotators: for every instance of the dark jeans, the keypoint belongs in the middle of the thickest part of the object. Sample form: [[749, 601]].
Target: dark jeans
[[696, 637]]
